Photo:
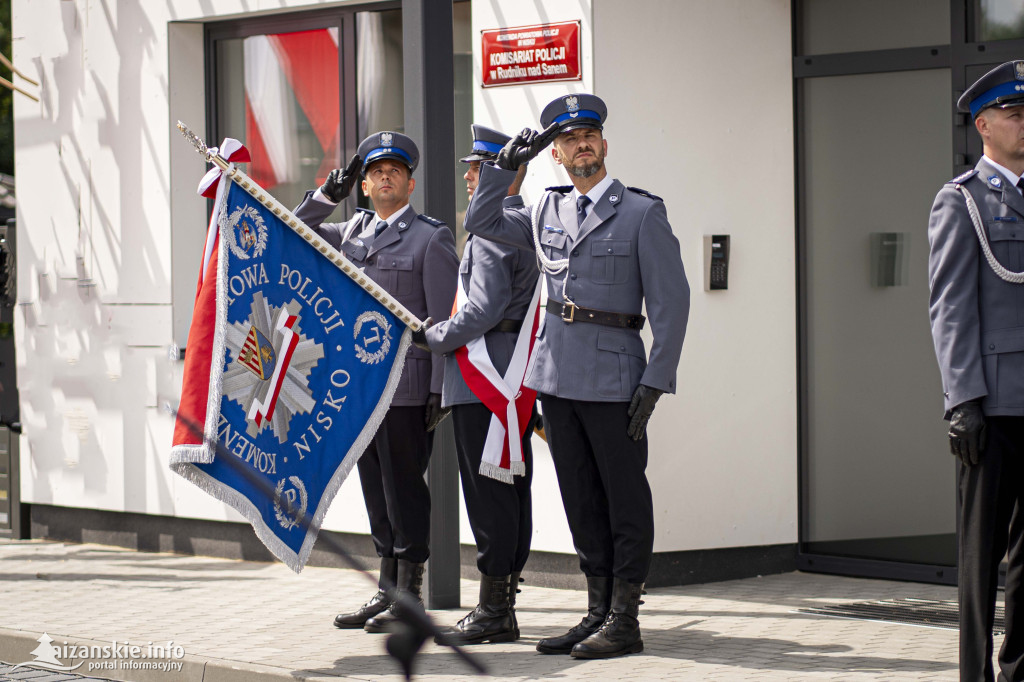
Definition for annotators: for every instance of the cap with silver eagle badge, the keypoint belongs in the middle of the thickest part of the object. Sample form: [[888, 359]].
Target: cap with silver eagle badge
[[575, 111], [389, 145]]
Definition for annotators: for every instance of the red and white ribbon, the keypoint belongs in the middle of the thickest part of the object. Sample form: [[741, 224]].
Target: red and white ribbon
[[232, 151], [510, 403]]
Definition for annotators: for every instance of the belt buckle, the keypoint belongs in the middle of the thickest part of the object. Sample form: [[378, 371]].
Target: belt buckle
[[571, 307]]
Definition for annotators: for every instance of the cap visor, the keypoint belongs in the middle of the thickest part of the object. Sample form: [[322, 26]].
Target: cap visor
[[582, 123], [382, 157], [476, 156]]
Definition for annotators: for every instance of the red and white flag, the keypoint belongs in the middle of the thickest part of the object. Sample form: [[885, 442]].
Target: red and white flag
[[199, 347], [510, 403]]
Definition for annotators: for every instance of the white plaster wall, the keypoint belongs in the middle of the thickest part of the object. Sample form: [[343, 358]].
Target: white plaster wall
[[95, 244]]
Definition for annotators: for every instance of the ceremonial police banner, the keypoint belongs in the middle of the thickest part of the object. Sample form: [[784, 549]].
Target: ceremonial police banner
[[290, 366]]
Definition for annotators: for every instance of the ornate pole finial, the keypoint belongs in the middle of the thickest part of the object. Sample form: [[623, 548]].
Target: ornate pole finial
[[209, 154]]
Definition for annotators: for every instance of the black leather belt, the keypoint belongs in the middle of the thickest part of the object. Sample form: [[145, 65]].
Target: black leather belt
[[573, 313], [512, 326]]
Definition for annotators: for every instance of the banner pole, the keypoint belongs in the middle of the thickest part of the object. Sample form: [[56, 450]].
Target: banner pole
[[300, 228]]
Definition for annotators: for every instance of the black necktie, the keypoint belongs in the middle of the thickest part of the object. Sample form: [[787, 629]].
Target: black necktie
[[1020, 185], [581, 209], [381, 226]]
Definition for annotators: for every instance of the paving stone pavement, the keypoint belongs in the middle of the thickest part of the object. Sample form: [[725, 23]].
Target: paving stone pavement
[[237, 620]]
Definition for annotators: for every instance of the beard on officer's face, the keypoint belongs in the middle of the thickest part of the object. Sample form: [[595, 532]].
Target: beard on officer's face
[[586, 167]]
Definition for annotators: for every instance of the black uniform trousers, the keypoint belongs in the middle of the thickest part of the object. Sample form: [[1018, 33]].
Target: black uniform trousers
[[992, 523], [391, 474], [500, 514], [601, 475]]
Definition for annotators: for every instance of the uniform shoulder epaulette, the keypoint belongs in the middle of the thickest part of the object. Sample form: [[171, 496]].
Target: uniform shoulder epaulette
[[433, 221], [963, 177], [645, 193], [364, 210], [562, 189]]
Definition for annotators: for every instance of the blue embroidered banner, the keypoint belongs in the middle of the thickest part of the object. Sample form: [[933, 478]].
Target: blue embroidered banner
[[301, 369]]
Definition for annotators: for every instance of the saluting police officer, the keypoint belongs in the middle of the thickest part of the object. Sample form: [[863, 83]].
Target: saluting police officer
[[498, 282], [605, 249], [412, 256], [976, 233]]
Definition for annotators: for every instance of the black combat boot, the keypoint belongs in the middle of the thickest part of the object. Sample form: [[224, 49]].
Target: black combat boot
[[377, 603], [599, 596], [513, 590], [490, 621], [410, 583], [620, 632]]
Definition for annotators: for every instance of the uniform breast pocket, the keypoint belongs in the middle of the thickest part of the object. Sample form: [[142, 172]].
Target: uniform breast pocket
[[553, 243], [397, 274], [1007, 240], [610, 261]]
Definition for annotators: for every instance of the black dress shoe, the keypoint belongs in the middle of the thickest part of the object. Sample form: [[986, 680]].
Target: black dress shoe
[[599, 595], [490, 621], [377, 604], [410, 582], [620, 633]]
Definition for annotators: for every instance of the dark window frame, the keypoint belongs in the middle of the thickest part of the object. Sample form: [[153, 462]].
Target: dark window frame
[[342, 18]]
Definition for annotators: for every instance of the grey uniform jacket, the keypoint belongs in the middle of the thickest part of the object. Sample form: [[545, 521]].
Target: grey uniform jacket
[[499, 281], [977, 318], [413, 260], [623, 255]]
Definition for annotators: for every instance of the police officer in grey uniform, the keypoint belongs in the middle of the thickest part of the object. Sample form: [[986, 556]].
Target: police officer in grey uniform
[[977, 318], [412, 256], [605, 250], [499, 282]]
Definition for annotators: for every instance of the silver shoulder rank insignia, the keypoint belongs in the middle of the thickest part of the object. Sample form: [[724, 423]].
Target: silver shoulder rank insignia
[[1018, 70], [613, 198], [385, 139], [572, 103], [995, 181], [401, 223]]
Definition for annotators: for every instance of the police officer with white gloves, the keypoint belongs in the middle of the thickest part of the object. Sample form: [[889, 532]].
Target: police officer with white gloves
[[605, 250], [412, 256], [497, 286], [976, 235]]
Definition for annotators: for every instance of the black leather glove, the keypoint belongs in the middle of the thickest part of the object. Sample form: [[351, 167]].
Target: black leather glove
[[640, 409], [524, 146], [339, 182], [967, 432], [419, 336], [435, 413]]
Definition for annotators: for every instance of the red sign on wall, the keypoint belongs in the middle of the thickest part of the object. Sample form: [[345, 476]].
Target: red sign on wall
[[531, 54]]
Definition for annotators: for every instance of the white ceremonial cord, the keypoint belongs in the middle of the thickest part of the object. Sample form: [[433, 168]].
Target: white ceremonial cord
[[1001, 272], [547, 265]]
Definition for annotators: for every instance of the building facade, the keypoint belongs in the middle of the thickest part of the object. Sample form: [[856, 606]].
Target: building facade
[[807, 428]]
